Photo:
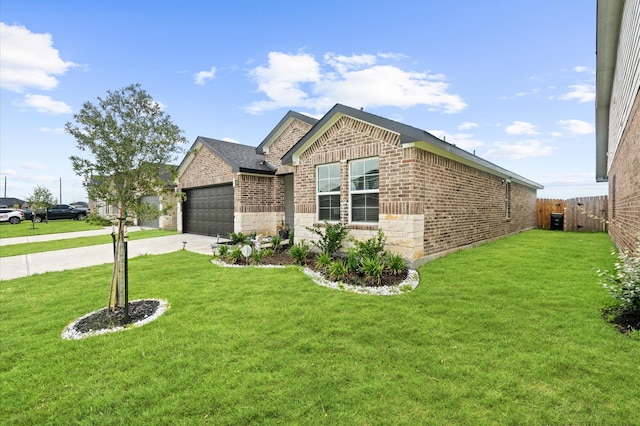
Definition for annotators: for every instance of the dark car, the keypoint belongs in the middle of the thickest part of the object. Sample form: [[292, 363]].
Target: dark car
[[28, 214], [61, 211]]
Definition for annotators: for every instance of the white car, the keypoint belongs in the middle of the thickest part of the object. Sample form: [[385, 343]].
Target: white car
[[12, 216]]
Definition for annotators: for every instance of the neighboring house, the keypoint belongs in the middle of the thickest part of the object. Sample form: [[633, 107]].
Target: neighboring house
[[618, 115], [168, 221], [368, 172], [11, 202]]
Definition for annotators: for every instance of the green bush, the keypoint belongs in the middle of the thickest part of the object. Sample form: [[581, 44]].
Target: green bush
[[337, 270], [372, 268], [299, 252], [235, 255], [238, 238], [323, 260], [331, 238], [624, 282], [371, 247], [256, 257], [95, 219], [353, 260], [223, 250], [394, 263], [276, 243]]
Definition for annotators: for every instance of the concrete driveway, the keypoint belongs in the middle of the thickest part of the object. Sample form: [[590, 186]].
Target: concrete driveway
[[60, 260]]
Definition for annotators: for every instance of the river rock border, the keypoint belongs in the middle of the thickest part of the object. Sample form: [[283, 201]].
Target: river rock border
[[409, 284]]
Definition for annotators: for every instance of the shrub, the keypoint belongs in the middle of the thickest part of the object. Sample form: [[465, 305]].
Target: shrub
[[267, 252], [235, 255], [223, 250], [256, 256], [337, 270], [394, 263], [238, 237], [331, 238], [276, 243], [624, 283], [372, 268], [371, 247], [353, 260], [299, 252], [95, 219], [323, 260]]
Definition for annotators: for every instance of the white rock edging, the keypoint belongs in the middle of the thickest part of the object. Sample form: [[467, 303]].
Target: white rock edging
[[409, 284], [70, 332]]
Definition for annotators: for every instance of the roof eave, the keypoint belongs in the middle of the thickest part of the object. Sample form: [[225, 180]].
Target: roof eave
[[608, 19]]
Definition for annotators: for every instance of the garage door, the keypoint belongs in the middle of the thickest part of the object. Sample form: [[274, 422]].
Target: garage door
[[209, 211]]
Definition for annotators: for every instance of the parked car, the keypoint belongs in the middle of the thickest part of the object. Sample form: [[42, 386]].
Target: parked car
[[11, 215], [61, 211], [28, 214]]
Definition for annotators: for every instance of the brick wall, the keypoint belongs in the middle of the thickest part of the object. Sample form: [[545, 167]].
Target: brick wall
[[205, 169], [285, 141], [624, 184], [455, 205]]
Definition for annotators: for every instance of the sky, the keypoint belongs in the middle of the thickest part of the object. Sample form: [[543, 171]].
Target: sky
[[512, 81]]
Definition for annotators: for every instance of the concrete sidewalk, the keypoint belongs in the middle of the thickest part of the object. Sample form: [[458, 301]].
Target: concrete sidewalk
[[60, 260]]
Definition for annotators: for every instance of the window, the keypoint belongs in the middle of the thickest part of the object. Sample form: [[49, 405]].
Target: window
[[507, 199], [329, 192], [363, 186]]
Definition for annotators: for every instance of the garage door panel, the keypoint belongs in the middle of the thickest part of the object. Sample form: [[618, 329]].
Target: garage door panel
[[209, 211]]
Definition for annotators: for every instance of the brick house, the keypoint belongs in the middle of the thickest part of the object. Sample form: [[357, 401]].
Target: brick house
[[618, 115], [368, 172]]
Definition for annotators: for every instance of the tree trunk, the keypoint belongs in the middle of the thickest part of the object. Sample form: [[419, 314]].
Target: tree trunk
[[117, 297]]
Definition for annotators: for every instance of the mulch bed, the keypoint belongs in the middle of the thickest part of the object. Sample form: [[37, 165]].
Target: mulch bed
[[624, 321], [138, 311], [387, 279]]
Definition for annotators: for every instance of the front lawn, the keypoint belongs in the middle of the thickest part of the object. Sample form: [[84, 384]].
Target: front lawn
[[507, 333], [39, 247], [26, 228]]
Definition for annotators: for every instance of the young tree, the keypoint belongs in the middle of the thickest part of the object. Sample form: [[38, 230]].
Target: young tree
[[130, 141], [41, 198]]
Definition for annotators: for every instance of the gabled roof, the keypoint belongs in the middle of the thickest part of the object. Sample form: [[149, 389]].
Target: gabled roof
[[263, 148], [10, 202], [409, 136], [241, 158]]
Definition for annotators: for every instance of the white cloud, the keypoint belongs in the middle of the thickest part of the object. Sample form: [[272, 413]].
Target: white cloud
[[577, 127], [461, 140], [519, 150], [467, 125], [530, 92], [521, 128], [28, 60], [298, 80], [33, 166], [580, 92], [45, 104], [201, 77], [55, 131], [580, 69]]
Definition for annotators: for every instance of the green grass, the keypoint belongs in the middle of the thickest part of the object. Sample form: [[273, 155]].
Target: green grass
[[507, 333], [26, 228], [38, 247]]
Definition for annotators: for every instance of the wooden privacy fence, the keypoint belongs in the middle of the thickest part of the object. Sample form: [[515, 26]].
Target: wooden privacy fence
[[583, 214]]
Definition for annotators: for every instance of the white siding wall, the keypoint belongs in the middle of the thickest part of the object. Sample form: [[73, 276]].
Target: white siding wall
[[626, 82]]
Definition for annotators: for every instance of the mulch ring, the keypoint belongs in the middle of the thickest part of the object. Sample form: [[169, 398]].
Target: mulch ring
[[102, 321]]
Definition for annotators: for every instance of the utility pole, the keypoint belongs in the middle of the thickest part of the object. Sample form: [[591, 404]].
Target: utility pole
[[60, 202]]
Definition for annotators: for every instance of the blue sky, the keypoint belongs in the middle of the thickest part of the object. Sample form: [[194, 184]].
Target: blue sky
[[512, 80]]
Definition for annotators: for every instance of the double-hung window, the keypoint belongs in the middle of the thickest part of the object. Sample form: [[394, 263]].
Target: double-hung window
[[328, 192], [364, 179]]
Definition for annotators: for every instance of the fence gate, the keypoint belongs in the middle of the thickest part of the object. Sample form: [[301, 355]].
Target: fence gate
[[582, 214]]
